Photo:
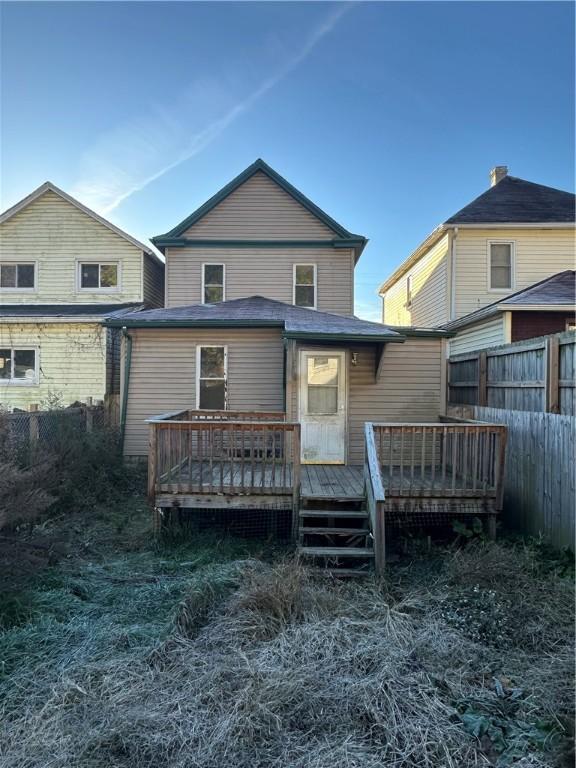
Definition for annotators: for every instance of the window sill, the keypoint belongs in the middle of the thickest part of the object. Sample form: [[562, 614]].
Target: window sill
[[98, 290], [16, 383], [18, 290]]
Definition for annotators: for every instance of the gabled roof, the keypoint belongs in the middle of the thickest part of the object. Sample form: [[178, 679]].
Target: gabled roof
[[259, 166], [510, 201], [553, 292], [517, 201], [49, 187], [258, 312], [78, 312]]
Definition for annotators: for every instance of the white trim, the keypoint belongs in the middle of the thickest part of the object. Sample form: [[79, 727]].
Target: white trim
[[99, 262], [12, 262], [538, 307], [507, 327], [214, 264], [514, 225], [199, 348], [512, 244], [49, 187], [315, 268], [23, 382]]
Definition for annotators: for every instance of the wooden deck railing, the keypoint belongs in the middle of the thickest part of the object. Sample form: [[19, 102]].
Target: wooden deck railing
[[375, 497], [248, 454], [452, 458], [204, 415]]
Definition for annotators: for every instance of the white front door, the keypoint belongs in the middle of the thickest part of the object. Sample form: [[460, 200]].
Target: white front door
[[322, 411]]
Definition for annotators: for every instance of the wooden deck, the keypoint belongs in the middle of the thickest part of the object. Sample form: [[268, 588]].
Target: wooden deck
[[331, 481]]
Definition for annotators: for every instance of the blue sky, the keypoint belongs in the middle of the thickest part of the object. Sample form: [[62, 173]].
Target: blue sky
[[387, 115]]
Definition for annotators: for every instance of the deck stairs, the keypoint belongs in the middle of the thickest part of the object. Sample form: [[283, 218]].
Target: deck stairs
[[334, 536]]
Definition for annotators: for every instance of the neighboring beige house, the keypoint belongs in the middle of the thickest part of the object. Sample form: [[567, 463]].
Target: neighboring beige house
[[259, 317], [63, 268], [515, 234]]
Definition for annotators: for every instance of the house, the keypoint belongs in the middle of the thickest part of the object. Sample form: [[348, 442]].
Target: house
[[63, 268], [257, 387], [512, 236], [545, 307]]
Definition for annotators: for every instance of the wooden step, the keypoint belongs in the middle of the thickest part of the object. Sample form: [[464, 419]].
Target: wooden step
[[337, 531], [333, 513], [336, 551]]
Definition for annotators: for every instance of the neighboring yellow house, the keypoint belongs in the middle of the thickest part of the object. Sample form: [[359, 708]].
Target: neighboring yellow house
[[63, 269], [515, 234]]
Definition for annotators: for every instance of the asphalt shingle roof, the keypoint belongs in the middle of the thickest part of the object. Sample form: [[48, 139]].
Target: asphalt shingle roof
[[559, 289], [518, 201], [259, 311]]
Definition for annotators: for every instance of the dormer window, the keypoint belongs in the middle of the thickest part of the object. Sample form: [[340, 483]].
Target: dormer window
[[304, 294], [500, 266], [213, 281], [18, 276]]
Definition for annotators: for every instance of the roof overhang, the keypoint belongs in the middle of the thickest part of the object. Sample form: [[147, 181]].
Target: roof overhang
[[511, 225], [344, 337], [50, 319], [356, 244]]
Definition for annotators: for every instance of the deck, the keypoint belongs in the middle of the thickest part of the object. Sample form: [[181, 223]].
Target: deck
[[240, 460]]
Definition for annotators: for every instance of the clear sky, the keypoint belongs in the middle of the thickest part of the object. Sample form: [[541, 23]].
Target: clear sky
[[389, 116]]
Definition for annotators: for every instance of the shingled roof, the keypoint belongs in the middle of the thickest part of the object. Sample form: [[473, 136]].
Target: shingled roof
[[556, 291], [258, 312], [514, 200]]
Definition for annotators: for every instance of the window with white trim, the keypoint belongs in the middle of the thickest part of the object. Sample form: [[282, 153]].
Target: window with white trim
[[18, 276], [211, 378], [18, 366], [305, 285], [501, 266], [98, 276], [213, 277]]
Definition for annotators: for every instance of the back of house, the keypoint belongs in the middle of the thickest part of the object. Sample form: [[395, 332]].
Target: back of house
[[63, 269], [259, 317], [513, 236]]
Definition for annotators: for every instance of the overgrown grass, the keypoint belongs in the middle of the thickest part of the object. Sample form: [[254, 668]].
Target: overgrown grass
[[223, 652]]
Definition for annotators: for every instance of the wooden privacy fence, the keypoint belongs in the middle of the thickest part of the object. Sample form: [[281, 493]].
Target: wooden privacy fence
[[540, 474], [226, 453], [536, 375]]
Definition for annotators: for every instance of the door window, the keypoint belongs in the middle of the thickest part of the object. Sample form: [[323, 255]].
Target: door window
[[323, 376]]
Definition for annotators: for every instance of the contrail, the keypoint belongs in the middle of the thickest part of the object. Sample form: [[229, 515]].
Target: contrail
[[136, 142]]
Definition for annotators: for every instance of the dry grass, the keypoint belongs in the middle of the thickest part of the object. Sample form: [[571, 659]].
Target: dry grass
[[149, 662]]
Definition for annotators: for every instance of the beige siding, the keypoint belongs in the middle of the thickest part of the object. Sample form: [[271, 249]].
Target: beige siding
[[152, 282], [163, 374], [264, 272], [260, 210], [409, 388], [479, 336], [429, 280], [72, 362], [55, 234], [539, 254]]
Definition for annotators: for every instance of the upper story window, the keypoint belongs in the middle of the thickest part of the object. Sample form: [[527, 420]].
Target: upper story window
[[213, 277], [98, 276], [18, 366], [18, 277], [408, 291], [500, 266], [305, 287]]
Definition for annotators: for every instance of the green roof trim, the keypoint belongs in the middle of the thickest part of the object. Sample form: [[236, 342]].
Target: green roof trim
[[368, 338], [185, 242], [256, 167]]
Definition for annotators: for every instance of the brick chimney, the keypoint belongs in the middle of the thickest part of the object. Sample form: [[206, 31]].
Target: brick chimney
[[497, 174]]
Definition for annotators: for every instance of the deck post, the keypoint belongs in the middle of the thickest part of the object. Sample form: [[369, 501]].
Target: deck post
[[295, 480], [152, 458]]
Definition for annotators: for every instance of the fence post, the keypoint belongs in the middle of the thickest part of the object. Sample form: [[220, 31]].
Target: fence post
[[552, 374], [482, 378], [33, 423]]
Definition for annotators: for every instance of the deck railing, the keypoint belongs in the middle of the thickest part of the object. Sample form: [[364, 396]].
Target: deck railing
[[375, 497], [247, 454], [446, 459]]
